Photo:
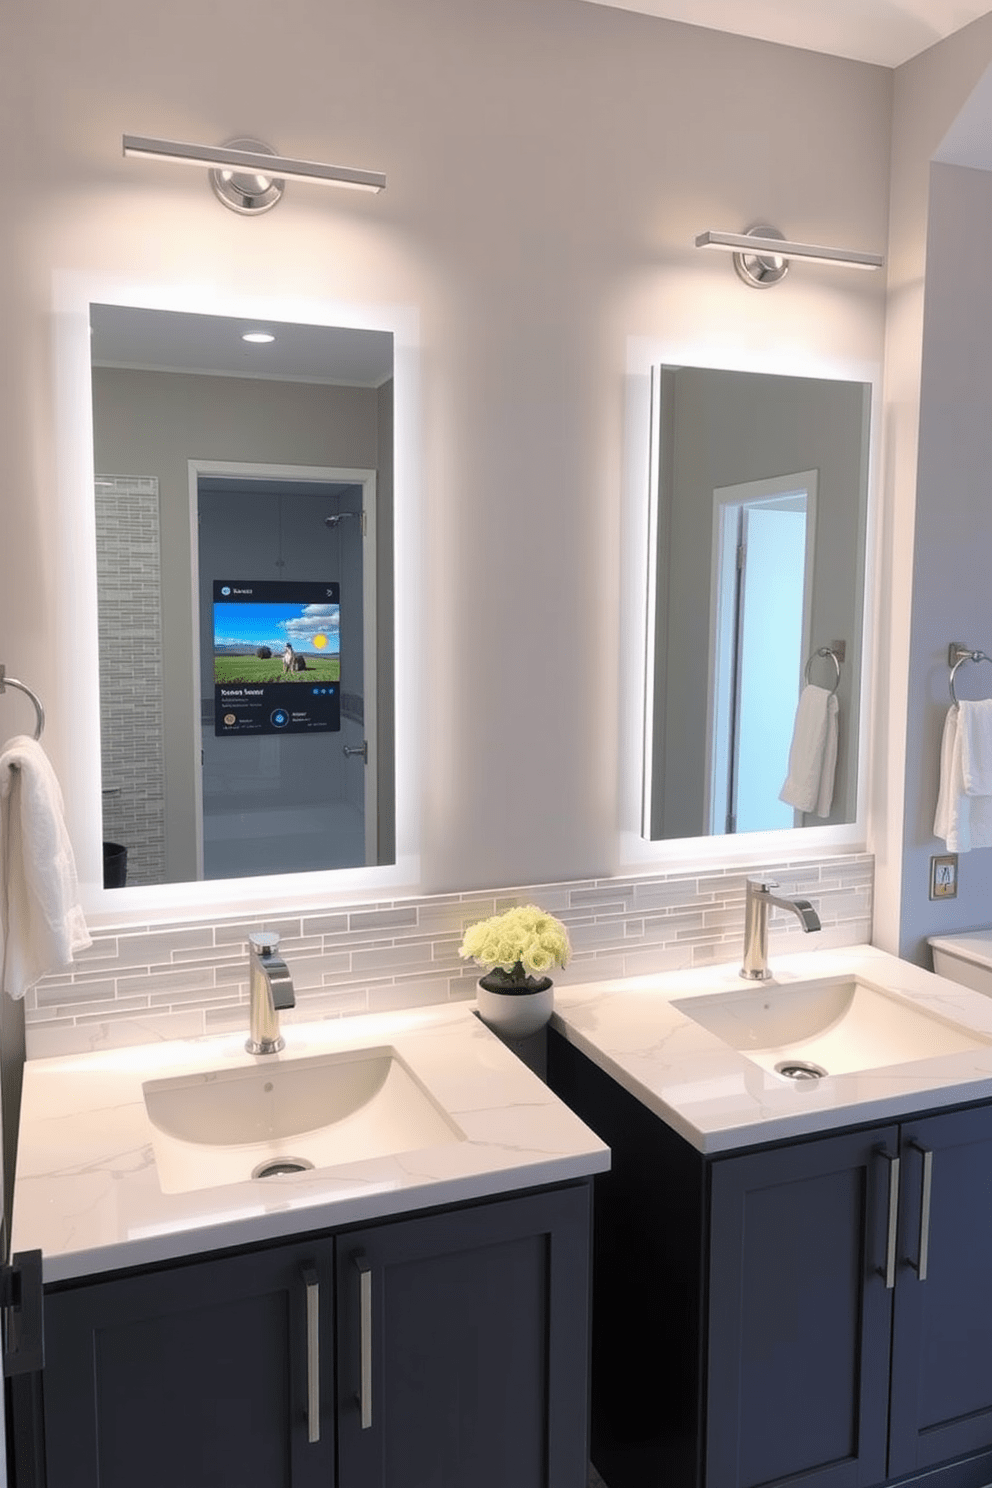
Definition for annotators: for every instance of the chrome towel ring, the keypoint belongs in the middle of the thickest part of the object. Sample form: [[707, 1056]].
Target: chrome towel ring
[[6, 682], [825, 651], [957, 655]]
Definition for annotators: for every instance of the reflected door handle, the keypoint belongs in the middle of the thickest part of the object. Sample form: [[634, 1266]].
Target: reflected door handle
[[362, 749]]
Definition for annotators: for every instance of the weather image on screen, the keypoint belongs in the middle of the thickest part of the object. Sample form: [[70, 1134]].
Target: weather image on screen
[[277, 657]]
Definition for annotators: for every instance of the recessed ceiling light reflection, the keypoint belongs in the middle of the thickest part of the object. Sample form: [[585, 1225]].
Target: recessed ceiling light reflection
[[258, 338]]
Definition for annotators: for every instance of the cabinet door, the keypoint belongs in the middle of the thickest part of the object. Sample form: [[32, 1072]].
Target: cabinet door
[[195, 1376], [800, 1314], [942, 1330], [463, 1347]]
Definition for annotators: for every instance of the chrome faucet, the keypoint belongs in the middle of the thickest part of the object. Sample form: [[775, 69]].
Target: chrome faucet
[[757, 904], [270, 987]]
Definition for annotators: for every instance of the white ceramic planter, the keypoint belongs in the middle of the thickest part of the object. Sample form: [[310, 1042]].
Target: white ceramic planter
[[515, 1014]]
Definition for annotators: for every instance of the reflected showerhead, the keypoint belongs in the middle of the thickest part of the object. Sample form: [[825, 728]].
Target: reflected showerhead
[[333, 521]]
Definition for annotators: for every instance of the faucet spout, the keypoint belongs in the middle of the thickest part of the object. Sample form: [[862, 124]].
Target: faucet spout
[[270, 988], [756, 908], [803, 910]]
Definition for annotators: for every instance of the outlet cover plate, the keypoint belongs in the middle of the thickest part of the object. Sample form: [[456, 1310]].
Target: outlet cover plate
[[944, 876]]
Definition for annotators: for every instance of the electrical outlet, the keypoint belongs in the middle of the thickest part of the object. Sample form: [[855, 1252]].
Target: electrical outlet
[[944, 876]]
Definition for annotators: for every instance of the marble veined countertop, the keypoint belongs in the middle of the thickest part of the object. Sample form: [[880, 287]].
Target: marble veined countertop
[[721, 1100], [88, 1193]]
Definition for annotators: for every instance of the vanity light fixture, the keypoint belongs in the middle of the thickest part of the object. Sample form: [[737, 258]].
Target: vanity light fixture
[[762, 254], [246, 174]]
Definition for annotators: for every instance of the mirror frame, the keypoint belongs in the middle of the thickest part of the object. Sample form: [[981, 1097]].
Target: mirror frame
[[73, 708], [639, 853]]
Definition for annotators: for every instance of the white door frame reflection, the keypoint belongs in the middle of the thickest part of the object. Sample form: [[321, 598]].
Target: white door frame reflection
[[334, 849], [764, 535]]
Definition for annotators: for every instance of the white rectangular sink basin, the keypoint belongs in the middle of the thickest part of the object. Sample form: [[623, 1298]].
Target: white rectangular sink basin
[[838, 1025], [289, 1115]]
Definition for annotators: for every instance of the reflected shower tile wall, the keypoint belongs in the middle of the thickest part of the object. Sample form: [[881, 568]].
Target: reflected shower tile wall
[[131, 699], [146, 982]]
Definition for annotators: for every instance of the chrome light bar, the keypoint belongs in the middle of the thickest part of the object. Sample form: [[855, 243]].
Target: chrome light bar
[[782, 248], [258, 162]]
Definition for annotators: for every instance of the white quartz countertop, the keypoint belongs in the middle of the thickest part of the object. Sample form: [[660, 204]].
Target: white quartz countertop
[[87, 1189], [720, 1100]]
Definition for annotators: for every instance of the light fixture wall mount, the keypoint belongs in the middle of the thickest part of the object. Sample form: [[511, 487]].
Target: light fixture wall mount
[[244, 190], [246, 174], [762, 254], [758, 267]]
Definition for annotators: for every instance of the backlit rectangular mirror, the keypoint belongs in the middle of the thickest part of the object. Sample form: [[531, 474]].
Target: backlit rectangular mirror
[[756, 583], [243, 495]]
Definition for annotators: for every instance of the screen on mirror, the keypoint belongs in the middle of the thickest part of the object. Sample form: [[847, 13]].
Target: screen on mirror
[[756, 599], [243, 495]]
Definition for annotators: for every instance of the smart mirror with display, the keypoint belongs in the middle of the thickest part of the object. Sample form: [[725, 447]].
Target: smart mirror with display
[[756, 571], [246, 732]]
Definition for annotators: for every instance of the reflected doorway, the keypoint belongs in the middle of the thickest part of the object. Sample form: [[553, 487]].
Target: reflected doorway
[[763, 556], [287, 773]]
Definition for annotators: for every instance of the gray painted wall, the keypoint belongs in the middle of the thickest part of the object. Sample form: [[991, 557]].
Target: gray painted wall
[[952, 575], [548, 167], [153, 423]]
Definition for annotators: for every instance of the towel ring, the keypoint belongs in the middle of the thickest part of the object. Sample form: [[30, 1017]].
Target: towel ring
[[957, 655], [824, 651], [6, 682]]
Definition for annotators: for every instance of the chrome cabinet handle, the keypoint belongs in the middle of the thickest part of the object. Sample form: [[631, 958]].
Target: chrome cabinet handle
[[892, 1228], [312, 1285], [926, 1188], [365, 1335]]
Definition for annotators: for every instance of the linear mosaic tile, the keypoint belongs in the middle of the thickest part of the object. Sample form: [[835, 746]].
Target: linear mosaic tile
[[130, 639], [143, 983]]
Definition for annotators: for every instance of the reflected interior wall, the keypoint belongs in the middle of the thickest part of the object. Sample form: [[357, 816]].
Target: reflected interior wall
[[725, 428], [152, 424]]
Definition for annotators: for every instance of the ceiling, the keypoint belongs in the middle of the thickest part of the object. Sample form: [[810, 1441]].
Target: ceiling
[[168, 340], [888, 32]]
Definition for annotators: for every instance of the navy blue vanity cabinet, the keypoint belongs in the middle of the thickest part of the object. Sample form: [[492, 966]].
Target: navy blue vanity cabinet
[[799, 1313], [192, 1374], [816, 1311], [941, 1403], [463, 1344], [441, 1350], [831, 1352]]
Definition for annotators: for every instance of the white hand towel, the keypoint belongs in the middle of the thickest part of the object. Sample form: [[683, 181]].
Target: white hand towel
[[975, 726], [41, 922], [962, 820], [809, 785]]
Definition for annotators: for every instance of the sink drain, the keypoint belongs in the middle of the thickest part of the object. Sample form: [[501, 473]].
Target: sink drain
[[277, 1165], [799, 1069]]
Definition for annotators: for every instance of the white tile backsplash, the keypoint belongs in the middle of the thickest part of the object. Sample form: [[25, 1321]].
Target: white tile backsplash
[[142, 983]]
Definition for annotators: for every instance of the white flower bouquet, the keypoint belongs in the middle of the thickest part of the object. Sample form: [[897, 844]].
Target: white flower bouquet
[[518, 946]]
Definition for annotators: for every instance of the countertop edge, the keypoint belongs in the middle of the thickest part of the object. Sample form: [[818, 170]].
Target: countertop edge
[[378, 1208]]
